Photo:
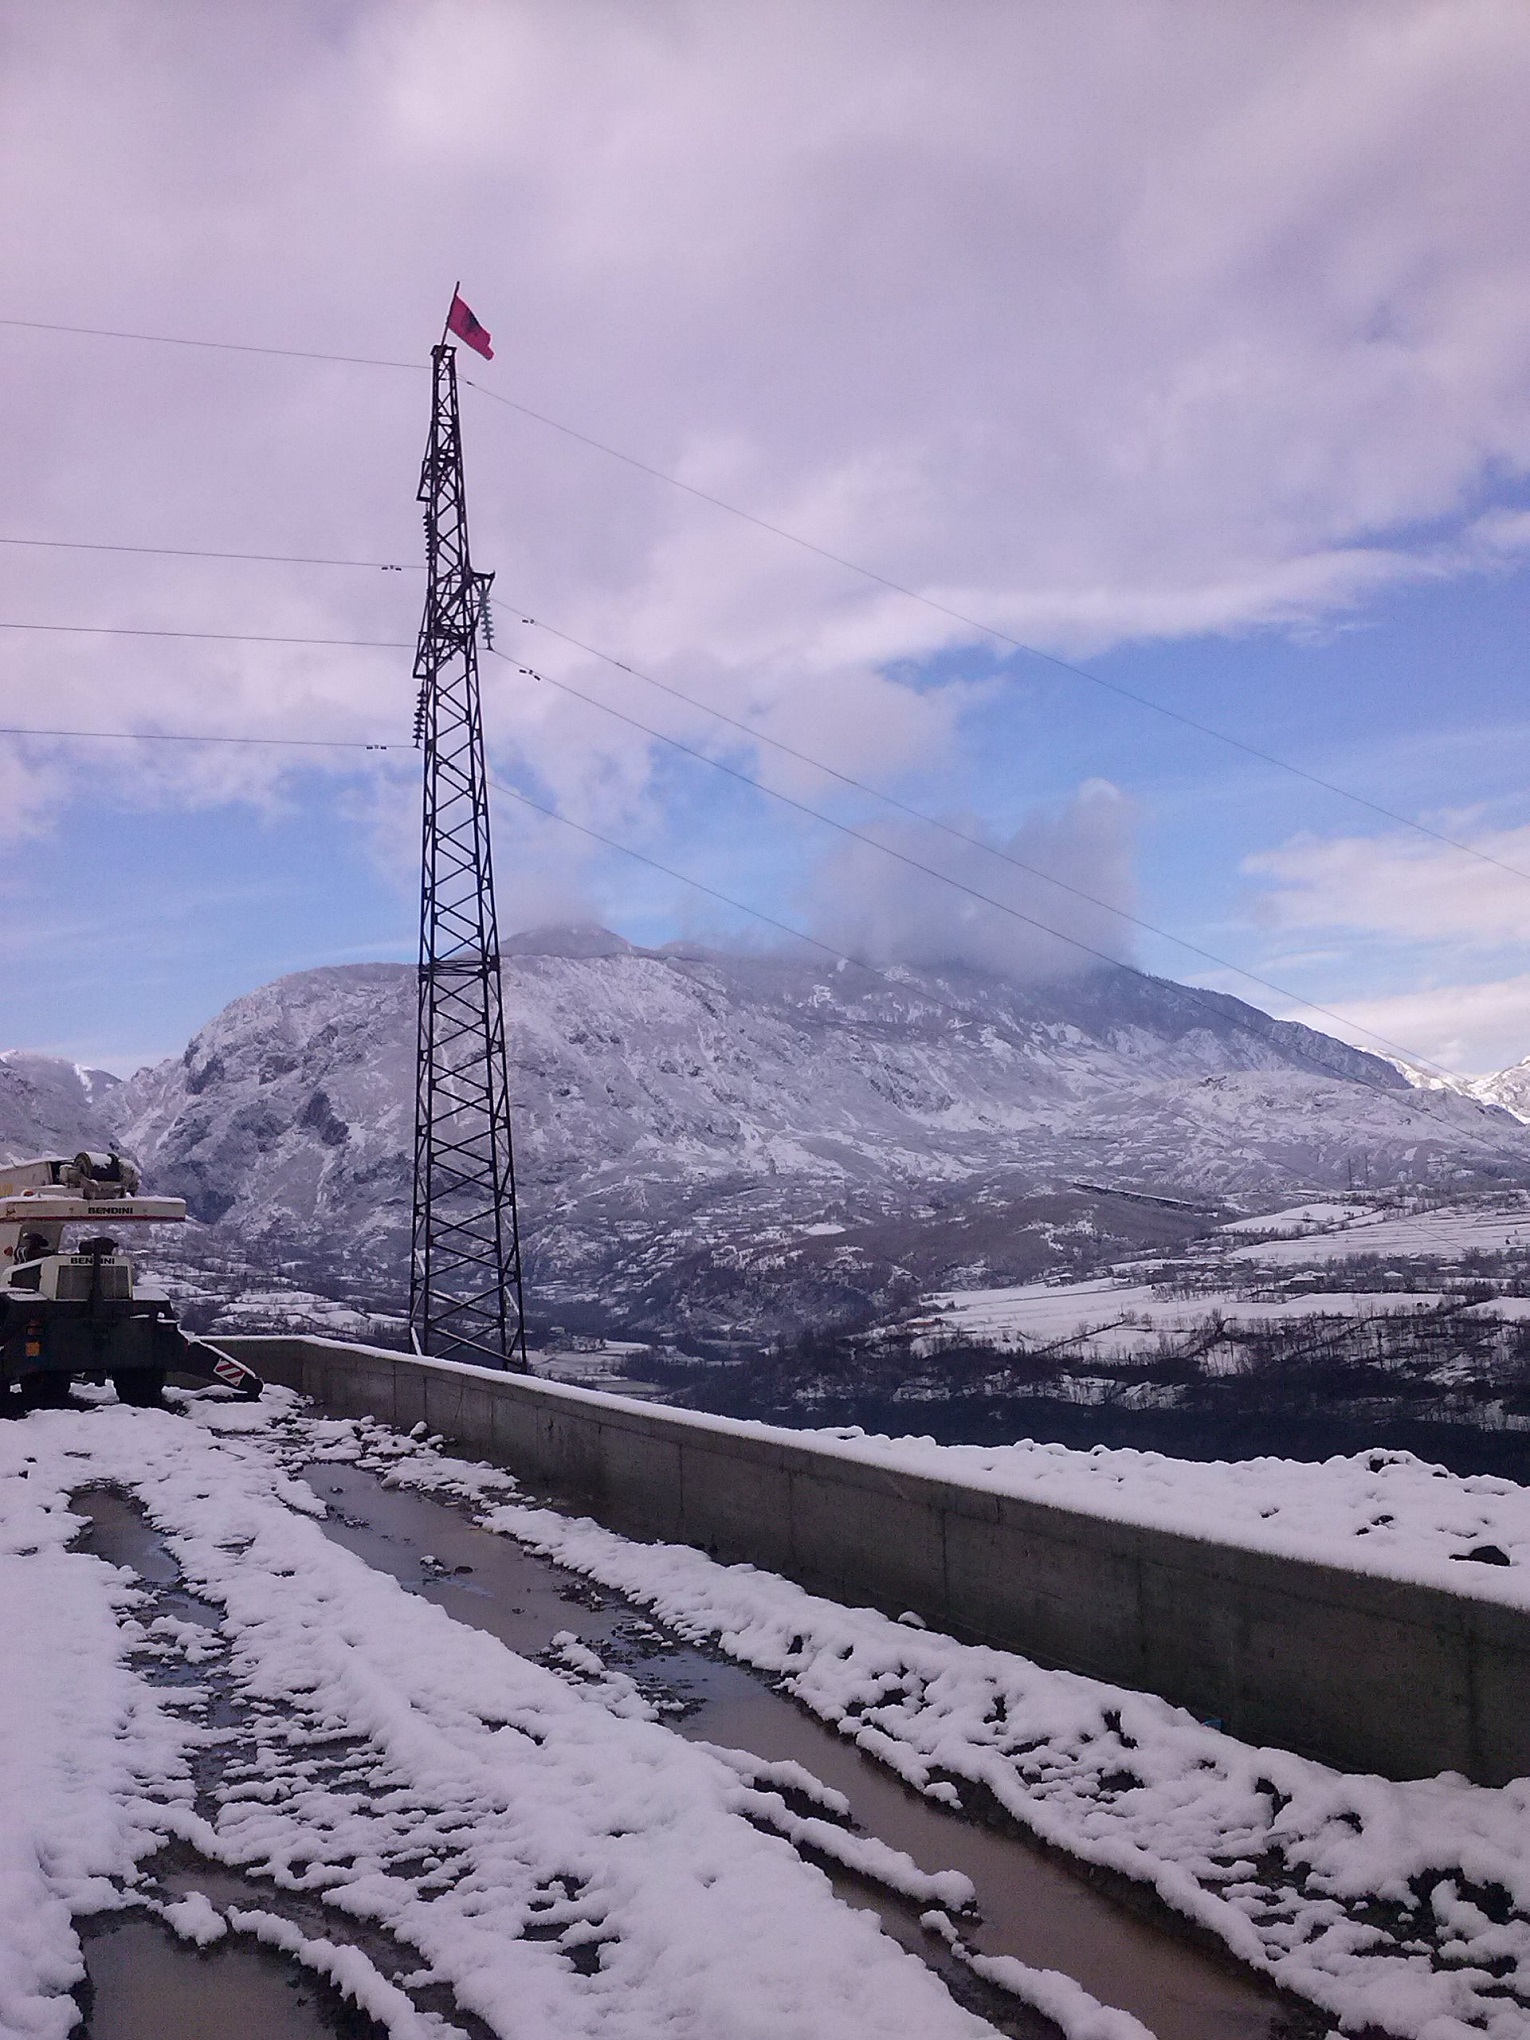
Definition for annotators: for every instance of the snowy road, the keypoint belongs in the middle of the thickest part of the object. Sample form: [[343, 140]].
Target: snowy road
[[1033, 1909], [562, 1867], [274, 1741]]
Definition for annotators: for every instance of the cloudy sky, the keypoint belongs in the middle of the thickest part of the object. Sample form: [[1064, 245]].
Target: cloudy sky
[[1166, 366]]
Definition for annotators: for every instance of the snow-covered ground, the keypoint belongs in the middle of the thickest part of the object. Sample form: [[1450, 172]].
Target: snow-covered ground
[[593, 1363], [1121, 1314], [1446, 1233], [274, 1310], [1111, 1320], [1300, 1218], [1107, 1317], [410, 1772], [1397, 1908], [356, 1749]]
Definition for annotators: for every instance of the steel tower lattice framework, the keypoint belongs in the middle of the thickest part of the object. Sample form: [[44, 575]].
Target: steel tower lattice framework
[[465, 1297]]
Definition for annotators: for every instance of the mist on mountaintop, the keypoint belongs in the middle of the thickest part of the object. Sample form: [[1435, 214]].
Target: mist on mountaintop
[[1062, 914]]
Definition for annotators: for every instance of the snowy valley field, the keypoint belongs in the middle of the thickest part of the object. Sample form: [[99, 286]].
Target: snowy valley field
[[1303, 1333], [273, 1741], [1399, 1256]]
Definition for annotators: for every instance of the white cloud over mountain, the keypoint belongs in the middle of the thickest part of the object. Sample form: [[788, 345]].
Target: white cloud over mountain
[[1402, 885], [1464, 1028], [886, 910]]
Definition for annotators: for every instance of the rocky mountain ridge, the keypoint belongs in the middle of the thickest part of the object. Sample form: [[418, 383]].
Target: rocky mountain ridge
[[724, 1146], [1509, 1089]]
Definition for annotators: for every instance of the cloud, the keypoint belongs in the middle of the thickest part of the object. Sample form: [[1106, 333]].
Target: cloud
[[1469, 1029], [877, 907], [1418, 909], [1129, 320], [1400, 886], [29, 794]]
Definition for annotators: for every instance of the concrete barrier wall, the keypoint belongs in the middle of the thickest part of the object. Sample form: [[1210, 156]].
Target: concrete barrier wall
[[1369, 1674]]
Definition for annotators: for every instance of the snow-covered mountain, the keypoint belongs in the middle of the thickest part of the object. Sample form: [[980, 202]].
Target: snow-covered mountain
[[1509, 1089], [48, 1106], [726, 1144]]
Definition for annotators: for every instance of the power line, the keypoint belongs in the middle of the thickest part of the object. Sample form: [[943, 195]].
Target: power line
[[217, 346], [659, 736], [806, 544], [213, 737], [972, 892], [790, 537], [226, 637], [1198, 994], [875, 793], [990, 630], [651, 680], [829, 821], [188, 552], [852, 566], [744, 778], [683, 878]]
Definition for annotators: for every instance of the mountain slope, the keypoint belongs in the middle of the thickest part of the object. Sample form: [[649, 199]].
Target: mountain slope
[[731, 1145], [1508, 1089], [49, 1106]]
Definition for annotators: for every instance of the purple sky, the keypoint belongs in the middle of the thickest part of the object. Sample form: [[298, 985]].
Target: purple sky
[[1189, 341]]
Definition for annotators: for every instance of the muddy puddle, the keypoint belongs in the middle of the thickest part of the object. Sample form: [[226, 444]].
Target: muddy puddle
[[120, 1533], [144, 1984], [1032, 1905]]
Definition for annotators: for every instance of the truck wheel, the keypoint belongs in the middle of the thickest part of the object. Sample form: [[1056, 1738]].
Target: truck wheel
[[143, 1389]]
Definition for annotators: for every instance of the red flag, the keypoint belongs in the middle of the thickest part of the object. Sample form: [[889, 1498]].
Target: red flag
[[460, 320]]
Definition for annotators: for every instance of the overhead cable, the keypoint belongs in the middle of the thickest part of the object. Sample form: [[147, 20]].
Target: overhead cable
[[216, 346], [227, 637], [744, 778], [1414, 1095], [196, 552], [209, 737], [969, 622], [651, 680], [795, 538], [971, 891], [1198, 994], [961, 617], [875, 793], [696, 884]]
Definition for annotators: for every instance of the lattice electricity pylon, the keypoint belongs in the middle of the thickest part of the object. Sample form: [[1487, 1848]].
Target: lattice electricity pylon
[[465, 1298]]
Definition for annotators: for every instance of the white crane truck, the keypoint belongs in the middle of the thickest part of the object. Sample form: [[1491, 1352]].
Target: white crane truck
[[80, 1313]]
